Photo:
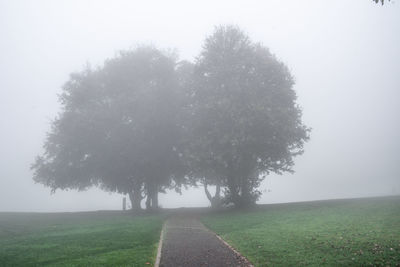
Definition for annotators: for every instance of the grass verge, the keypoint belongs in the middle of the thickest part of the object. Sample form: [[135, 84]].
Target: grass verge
[[78, 239], [360, 232]]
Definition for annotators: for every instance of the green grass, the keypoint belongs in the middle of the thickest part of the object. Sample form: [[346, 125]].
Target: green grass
[[359, 232], [78, 239]]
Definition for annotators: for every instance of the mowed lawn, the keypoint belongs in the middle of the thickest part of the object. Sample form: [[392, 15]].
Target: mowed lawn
[[360, 232], [78, 239]]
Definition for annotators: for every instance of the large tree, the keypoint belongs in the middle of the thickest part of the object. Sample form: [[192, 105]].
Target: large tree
[[117, 129], [245, 120]]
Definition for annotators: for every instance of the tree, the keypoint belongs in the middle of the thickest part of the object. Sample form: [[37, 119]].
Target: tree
[[245, 120], [117, 129], [382, 1]]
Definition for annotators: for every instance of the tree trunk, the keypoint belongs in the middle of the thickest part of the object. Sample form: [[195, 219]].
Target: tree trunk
[[218, 190], [233, 187], [216, 200], [154, 200], [207, 192], [136, 197], [132, 199], [245, 189], [148, 203], [152, 197], [148, 200], [241, 191], [236, 199]]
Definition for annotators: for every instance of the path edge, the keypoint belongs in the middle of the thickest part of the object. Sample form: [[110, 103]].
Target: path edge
[[249, 264], [160, 243]]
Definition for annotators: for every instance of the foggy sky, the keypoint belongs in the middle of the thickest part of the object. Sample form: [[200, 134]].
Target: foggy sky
[[345, 56]]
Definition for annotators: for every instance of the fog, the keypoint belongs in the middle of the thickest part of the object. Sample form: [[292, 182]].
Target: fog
[[344, 56]]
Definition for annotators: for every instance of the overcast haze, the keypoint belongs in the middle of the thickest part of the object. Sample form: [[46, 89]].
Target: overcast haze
[[345, 56]]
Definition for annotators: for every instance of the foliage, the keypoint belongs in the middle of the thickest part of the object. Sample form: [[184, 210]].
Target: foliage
[[381, 1], [245, 121], [78, 239], [144, 122], [361, 232], [117, 128]]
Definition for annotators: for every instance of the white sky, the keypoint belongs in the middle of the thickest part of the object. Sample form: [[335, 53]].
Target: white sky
[[344, 54]]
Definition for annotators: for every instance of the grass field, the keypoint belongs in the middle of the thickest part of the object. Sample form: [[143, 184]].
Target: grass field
[[358, 232], [78, 239], [361, 232]]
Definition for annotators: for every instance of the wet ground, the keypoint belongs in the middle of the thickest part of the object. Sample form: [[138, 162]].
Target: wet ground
[[187, 242]]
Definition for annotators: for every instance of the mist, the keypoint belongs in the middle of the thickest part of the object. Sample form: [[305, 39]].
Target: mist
[[344, 56]]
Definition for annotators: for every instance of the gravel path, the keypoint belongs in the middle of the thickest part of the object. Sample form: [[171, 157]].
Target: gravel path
[[187, 242]]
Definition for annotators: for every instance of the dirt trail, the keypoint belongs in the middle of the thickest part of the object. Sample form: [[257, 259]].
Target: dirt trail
[[187, 242]]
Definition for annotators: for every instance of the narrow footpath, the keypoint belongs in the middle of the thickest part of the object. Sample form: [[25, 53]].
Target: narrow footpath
[[187, 242]]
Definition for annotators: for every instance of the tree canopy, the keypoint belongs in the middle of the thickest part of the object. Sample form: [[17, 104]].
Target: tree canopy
[[245, 119], [144, 122], [117, 128], [381, 1]]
